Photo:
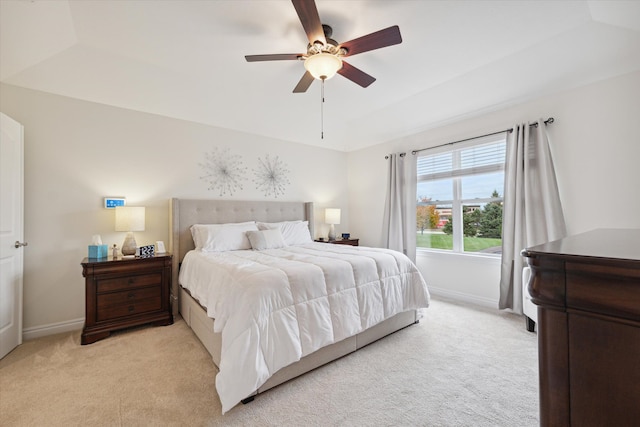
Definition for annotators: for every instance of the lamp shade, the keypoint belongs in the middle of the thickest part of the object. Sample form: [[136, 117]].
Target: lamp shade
[[129, 218], [332, 216], [323, 65]]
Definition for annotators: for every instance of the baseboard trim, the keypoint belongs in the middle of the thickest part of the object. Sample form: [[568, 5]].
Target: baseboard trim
[[77, 324], [52, 329], [460, 296]]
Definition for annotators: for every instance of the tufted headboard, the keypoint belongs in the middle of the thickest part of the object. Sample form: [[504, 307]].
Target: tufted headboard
[[183, 213]]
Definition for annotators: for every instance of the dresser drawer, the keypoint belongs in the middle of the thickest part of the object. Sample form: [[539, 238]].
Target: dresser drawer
[[610, 291], [129, 282], [129, 303]]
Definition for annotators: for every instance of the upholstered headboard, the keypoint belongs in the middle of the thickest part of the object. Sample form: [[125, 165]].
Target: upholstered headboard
[[183, 213]]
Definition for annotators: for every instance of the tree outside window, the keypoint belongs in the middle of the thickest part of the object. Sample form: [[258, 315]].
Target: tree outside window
[[427, 217]]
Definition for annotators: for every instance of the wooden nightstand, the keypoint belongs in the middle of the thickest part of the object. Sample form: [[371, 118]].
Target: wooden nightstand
[[125, 292], [351, 242]]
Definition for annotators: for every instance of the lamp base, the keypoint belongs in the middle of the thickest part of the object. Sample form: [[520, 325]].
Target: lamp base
[[332, 233], [129, 245]]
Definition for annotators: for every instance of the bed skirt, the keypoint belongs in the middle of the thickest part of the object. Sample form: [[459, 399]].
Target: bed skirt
[[202, 325]]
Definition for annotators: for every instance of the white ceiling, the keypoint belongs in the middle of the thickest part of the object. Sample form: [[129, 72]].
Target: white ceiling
[[185, 59]]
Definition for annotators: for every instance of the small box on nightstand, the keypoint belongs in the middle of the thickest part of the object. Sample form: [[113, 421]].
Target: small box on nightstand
[[97, 251]]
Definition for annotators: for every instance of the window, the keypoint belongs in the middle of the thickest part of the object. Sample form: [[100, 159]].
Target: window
[[459, 196]]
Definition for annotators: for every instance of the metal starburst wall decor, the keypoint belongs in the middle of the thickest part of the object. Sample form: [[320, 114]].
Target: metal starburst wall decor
[[223, 171], [271, 176]]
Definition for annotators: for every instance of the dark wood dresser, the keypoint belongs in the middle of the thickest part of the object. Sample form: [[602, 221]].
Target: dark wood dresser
[[587, 288], [125, 292]]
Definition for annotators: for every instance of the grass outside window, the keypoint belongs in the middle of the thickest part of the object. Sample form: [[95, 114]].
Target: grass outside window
[[445, 241]]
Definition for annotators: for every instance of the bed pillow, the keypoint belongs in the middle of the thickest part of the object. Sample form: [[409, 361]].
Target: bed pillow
[[222, 237], [270, 225], [266, 239], [293, 232]]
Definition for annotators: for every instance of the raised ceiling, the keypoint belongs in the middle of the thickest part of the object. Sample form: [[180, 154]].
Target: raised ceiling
[[185, 59]]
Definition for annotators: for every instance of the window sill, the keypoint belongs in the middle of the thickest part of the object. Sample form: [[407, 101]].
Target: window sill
[[435, 253]]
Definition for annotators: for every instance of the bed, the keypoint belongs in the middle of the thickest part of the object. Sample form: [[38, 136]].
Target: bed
[[308, 350]]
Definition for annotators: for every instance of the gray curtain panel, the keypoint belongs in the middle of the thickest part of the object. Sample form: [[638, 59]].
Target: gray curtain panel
[[532, 210], [399, 224]]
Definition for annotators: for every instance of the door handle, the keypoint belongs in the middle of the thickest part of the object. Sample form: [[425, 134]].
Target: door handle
[[18, 244]]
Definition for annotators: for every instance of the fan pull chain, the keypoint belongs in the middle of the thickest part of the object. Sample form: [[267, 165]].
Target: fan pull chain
[[322, 110]]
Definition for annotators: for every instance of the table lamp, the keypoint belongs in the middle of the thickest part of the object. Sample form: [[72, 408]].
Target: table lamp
[[332, 217], [129, 219]]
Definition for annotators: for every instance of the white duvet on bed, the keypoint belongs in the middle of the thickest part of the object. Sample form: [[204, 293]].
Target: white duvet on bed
[[276, 306]]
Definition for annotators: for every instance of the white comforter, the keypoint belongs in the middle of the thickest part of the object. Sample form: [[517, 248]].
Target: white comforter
[[276, 306]]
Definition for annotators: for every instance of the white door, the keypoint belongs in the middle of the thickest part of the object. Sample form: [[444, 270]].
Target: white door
[[11, 233]]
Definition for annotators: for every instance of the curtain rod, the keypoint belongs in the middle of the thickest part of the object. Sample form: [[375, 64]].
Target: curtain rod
[[401, 155], [546, 122]]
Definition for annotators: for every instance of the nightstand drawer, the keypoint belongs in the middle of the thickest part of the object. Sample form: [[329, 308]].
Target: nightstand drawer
[[135, 281], [128, 303], [128, 297]]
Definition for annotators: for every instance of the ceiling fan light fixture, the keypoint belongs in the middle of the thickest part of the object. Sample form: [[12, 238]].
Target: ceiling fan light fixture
[[323, 66]]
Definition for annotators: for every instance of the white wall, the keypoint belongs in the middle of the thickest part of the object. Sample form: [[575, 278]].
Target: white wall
[[78, 152], [595, 144]]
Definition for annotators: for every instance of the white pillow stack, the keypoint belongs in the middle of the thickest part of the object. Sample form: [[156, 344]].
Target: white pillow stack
[[247, 235]]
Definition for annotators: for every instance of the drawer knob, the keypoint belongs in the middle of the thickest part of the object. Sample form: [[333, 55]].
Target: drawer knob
[[131, 281], [131, 295], [131, 309]]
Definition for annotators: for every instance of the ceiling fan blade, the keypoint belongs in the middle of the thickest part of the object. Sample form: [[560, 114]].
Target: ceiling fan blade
[[356, 75], [273, 57], [383, 38], [310, 20], [304, 83]]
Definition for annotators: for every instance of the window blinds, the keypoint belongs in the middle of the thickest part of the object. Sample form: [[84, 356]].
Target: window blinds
[[475, 157]]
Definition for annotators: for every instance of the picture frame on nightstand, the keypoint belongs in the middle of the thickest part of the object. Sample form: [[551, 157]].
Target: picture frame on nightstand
[[147, 251]]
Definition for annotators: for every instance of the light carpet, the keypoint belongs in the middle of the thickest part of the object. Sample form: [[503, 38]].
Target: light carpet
[[460, 366]]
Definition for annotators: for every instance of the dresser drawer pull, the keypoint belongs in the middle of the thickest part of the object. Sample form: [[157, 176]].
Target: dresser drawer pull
[[132, 281], [131, 309], [131, 295]]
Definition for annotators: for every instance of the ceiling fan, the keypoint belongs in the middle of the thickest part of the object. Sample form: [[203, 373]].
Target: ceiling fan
[[324, 57]]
